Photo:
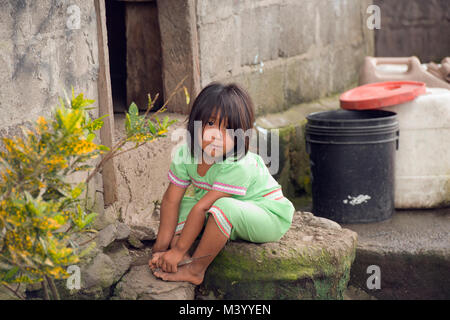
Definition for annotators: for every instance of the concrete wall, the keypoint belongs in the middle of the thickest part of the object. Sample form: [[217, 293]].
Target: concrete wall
[[283, 51], [40, 56], [414, 27], [43, 51]]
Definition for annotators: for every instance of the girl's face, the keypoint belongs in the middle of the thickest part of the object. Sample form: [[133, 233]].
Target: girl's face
[[215, 140]]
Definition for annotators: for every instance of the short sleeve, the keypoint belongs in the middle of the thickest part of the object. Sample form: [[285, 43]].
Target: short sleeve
[[233, 179], [178, 174]]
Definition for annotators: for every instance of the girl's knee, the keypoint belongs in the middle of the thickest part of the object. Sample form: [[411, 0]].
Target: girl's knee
[[225, 202]]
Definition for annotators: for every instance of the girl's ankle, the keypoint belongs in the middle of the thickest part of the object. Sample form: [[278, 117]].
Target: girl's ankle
[[196, 269]]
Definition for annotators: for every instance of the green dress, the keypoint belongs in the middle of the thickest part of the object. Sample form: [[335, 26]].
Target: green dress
[[257, 211]]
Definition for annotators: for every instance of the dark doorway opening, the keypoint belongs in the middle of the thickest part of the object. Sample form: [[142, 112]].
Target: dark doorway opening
[[135, 56], [115, 25]]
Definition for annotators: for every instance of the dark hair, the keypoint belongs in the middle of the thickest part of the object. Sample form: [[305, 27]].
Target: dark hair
[[234, 105]]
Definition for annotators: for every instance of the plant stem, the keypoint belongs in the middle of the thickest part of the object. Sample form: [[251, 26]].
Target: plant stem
[[44, 287], [53, 288]]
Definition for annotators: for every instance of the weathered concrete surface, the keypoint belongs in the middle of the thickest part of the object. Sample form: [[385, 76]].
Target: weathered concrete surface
[[283, 52], [412, 250], [142, 173], [43, 51], [178, 26], [311, 261], [294, 171], [140, 284]]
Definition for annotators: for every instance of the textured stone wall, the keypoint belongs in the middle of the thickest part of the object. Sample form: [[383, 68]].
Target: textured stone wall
[[414, 27], [284, 52]]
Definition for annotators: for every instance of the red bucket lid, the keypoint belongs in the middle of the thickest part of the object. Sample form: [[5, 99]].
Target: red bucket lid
[[381, 94]]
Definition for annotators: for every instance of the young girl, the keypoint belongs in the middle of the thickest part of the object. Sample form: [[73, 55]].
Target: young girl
[[235, 195]]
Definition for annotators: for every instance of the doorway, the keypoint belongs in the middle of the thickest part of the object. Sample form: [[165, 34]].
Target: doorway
[[135, 55]]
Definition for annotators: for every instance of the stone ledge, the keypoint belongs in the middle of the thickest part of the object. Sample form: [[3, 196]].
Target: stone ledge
[[311, 261]]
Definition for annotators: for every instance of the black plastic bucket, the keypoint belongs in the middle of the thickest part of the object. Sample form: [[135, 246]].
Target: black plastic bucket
[[352, 161]]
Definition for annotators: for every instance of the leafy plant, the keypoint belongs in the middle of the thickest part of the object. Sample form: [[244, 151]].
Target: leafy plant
[[40, 210]]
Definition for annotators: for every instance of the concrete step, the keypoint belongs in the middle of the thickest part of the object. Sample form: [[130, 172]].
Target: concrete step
[[412, 251]]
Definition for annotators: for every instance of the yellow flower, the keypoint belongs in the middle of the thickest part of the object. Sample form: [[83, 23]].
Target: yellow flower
[[41, 121], [84, 146]]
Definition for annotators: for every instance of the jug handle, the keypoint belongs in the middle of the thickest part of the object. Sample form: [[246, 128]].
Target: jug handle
[[413, 62]]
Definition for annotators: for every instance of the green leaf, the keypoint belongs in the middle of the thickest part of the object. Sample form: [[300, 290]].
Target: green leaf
[[104, 116], [102, 147], [75, 192], [151, 127], [133, 111], [89, 218], [90, 137], [77, 102], [166, 119], [11, 273], [80, 102], [159, 122], [127, 123]]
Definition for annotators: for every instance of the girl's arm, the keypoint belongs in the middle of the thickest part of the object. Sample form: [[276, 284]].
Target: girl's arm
[[170, 206], [192, 227]]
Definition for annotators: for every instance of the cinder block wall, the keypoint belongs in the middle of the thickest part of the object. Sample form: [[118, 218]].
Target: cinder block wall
[[284, 52]]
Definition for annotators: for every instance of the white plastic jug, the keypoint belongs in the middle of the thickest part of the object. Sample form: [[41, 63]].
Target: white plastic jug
[[422, 178]]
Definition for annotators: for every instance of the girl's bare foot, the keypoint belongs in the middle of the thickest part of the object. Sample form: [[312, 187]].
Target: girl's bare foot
[[184, 273]]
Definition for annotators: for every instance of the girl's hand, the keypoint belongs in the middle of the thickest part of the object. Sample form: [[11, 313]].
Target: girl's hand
[[168, 261], [154, 260], [157, 251]]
